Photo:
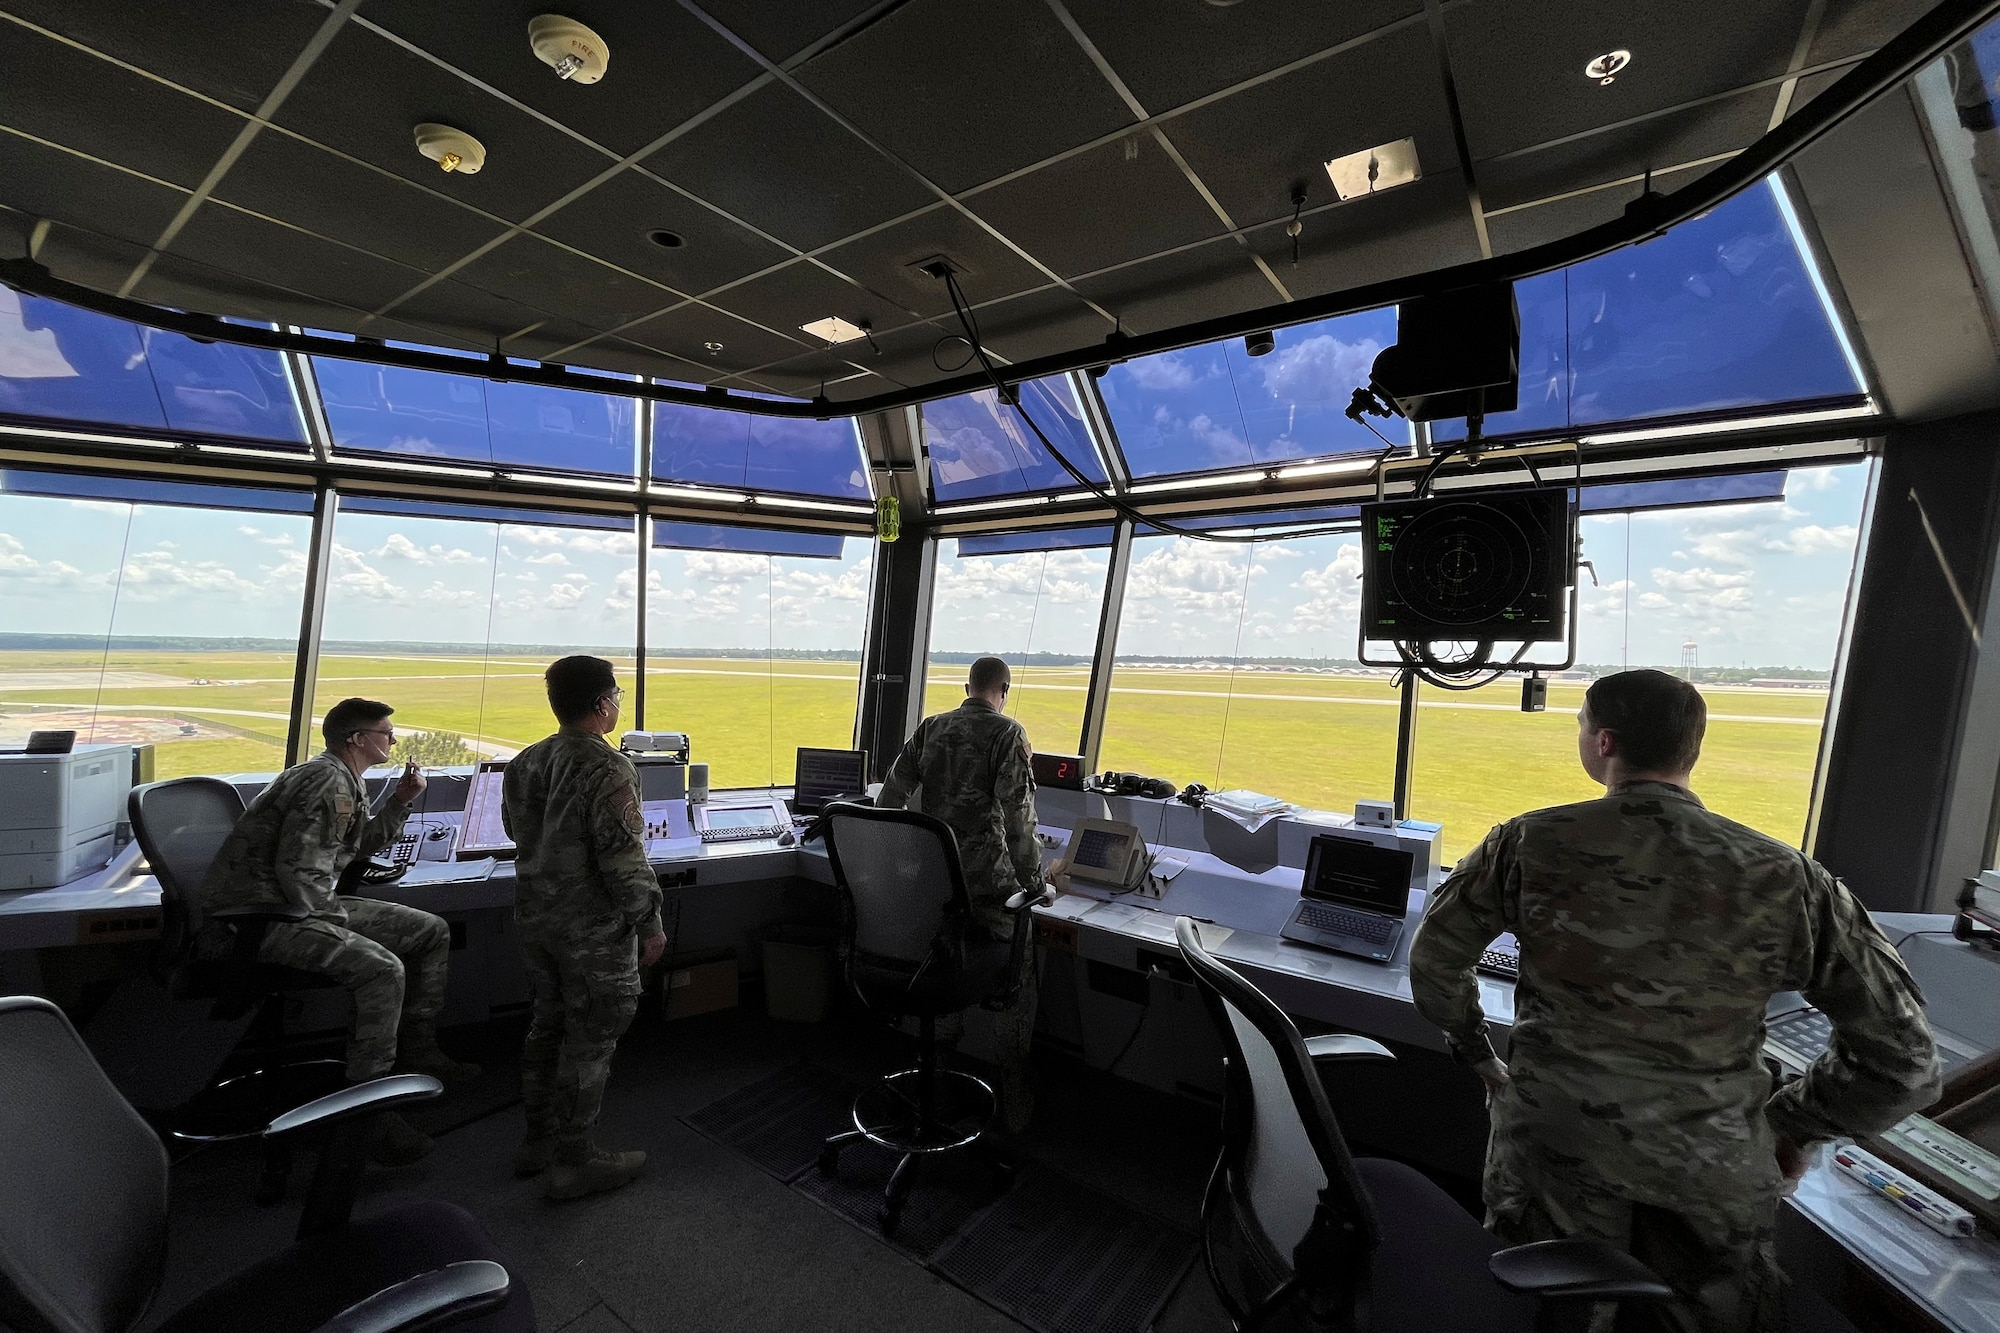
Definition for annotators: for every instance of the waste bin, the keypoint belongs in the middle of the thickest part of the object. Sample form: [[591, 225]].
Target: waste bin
[[798, 972]]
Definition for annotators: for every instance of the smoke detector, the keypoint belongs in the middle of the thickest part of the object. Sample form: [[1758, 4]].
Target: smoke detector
[[454, 150], [573, 51]]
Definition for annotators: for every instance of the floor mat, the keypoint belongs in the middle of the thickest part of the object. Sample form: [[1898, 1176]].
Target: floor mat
[[1053, 1254]]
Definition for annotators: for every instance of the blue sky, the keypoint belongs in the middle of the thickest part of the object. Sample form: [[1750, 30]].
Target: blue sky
[[1757, 585]]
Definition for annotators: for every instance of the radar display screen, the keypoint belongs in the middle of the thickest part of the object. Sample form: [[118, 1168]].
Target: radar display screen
[[1497, 568]]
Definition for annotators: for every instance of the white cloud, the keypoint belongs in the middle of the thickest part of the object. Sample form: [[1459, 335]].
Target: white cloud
[[1165, 373], [1333, 593], [1813, 539], [398, 547], [1814, 478], [1699, 580], [1321, 367], [548, 558], [18, 567]]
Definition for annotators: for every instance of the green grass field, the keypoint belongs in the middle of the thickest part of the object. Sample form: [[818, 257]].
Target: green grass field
[[1323, 741]]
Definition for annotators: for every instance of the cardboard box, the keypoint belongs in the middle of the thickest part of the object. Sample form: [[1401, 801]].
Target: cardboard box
[[698, 984]]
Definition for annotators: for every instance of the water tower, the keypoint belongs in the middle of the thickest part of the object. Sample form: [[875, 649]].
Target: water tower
[[1690, 660]]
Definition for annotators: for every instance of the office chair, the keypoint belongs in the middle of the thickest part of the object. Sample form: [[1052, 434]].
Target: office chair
[[83, 1215], [1324, 1240], [180, 825], [909, 952]]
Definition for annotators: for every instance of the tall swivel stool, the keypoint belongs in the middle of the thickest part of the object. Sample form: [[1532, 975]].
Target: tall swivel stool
[[180, 825], [1325, 1240], [909, 954]]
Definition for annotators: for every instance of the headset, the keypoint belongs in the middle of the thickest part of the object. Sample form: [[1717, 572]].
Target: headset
[[1134, 784]]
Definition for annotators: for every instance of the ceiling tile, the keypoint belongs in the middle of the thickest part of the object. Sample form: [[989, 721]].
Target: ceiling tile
[[882, 260], [480, 318], [781, 29], [233, 243], [1811, 86], [1113, 204], [287, 178], [1656, 144], [1857, 27], [95, 261], [1041, 324], [45, 183], [665, 66], [1519, 68], [1561, 218], [1413, 228], [175, 38], [1216, 279], [778, 164], [1171, 54], [122, 118], [613, 220], [805, 293], [967, 90], [542, 275], [366, 95], [686, 332], [1250, 148]]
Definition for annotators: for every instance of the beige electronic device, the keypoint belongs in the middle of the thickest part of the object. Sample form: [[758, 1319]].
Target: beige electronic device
[[1107, 852]]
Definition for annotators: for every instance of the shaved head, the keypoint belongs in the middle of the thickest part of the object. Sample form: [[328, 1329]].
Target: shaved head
[[987, 675]]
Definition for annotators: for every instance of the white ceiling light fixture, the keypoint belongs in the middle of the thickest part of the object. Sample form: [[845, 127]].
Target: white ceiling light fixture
[[573, 51], [1373, 170], [1605, 68], [834, 329], [454, 150]]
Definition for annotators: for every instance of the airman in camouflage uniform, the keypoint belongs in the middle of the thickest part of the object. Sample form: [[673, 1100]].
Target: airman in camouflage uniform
[[289, 849], [1634, 1107], [972, 765], [588, 908]]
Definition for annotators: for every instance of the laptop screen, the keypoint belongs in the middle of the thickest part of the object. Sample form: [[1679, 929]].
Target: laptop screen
[[825, 774], [1359, 874]]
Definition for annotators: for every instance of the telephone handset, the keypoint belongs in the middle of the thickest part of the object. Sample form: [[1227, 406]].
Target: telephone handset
[[1107, 852]]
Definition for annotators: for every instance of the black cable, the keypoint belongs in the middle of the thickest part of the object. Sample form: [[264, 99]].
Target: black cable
[[1915, 933], [1145, 1012], [1116, 504]]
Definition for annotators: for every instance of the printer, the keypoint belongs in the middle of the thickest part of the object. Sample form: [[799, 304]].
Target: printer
[[59, 813]]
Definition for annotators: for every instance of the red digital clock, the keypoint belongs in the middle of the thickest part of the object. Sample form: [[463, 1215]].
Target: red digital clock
[[1063, 771]]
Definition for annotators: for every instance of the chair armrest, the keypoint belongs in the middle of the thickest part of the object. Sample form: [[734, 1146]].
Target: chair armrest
[[456, 1291], [1346, 1046], [1576, 1269], [1019, 898], [258, 912], [380, 1094]]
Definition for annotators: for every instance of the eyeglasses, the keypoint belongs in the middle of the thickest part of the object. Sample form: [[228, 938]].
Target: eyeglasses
[[613, 695], [390, 732]]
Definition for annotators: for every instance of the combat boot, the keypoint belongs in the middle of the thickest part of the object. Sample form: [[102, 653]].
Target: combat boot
[[418, 1056], [534, 1155], [577, 1172], [398, 1142]]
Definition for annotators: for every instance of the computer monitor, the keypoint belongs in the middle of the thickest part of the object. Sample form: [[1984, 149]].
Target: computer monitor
[[825, 774]]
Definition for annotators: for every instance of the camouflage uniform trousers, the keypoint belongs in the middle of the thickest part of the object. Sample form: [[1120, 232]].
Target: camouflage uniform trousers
[[584, 988], [392, 959], [1719, 1254], [1013, 1027]]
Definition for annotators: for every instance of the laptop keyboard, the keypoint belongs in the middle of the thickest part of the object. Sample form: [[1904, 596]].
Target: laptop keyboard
[[1500, 963], [1339, 921]]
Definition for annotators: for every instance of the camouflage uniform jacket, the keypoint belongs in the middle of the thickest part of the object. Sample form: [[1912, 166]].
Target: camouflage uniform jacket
[[290, 846], [973, 766], [1652, 934], [571, 805]]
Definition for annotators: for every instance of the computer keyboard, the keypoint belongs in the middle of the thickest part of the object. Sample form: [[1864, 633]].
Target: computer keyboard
[[741, 834], [1337, 921], [1500, 963], [405, 850], [1804, 1035]]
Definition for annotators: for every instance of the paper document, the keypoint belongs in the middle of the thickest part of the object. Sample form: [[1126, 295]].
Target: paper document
[[448, 872]]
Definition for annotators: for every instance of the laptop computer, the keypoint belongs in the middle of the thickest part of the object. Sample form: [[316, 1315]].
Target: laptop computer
[[1354, 899]]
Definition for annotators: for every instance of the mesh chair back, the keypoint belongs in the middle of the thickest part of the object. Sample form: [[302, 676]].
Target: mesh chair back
[[83, 1183], [180, 826], [899, 869], [1281, 1145]]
